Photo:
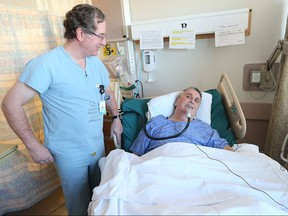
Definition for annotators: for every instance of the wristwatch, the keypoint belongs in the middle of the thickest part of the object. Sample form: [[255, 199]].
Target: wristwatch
[[116, 117]]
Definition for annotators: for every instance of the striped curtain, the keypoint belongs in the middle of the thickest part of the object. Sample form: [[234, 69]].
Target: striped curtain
[[24, 34]]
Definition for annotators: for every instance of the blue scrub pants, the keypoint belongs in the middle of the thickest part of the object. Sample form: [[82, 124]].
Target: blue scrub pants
[[79, 174]]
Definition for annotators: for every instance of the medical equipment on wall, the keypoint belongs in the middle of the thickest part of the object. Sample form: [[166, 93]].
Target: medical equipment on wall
[[266, 70], [118, 57], [149, 64], [282, 46], [120, 70]]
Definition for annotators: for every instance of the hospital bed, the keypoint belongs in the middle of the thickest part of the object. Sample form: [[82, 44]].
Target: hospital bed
[[182, 178]]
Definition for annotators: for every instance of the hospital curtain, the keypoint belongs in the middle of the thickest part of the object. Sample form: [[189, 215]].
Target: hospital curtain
[[24, 34], [278, 121]]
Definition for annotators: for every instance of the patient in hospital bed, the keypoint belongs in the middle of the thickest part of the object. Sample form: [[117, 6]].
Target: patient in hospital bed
[[177, 128]]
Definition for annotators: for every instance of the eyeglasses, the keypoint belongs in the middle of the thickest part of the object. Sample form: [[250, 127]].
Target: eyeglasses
[[101, 37]]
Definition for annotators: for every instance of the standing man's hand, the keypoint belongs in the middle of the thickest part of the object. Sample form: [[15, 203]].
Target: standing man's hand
[[40, 154]]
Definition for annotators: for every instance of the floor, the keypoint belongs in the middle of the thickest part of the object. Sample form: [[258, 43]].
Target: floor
[[52, 205]]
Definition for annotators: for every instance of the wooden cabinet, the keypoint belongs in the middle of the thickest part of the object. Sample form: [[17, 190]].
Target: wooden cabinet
[[109, 144]]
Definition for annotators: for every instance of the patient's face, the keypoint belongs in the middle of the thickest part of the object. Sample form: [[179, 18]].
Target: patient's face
[[189, 101]]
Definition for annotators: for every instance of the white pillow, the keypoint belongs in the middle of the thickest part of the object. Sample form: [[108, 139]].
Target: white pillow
[[164, 105]]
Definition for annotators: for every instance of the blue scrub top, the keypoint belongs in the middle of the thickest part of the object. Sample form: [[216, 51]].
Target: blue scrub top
[[70, 99]]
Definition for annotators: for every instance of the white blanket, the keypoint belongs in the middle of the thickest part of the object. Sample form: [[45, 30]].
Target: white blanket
[[181, 178]]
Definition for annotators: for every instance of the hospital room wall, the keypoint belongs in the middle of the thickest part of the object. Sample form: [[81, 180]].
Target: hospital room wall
[[204, 65]]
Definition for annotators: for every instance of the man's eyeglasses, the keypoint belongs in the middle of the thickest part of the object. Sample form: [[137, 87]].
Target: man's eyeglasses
[[101, 37]]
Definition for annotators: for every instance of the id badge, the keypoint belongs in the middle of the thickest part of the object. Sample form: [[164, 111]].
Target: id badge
[[102, 107]]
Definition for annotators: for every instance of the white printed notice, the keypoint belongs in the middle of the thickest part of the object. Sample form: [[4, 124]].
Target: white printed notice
[[182, 39], [151, 40], [229, 35]]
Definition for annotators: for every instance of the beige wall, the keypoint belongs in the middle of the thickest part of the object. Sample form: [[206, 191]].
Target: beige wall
[[203, 66]]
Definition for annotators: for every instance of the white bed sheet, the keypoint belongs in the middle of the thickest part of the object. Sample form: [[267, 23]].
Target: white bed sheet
[[178, 178]]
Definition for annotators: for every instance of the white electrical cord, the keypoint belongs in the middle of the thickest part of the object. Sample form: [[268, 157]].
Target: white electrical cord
[[266, 89]]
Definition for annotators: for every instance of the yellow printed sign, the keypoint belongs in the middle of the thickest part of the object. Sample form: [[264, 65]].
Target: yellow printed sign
[[109, 50]]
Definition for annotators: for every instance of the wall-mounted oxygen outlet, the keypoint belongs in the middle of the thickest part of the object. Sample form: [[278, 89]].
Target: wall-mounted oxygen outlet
[[266, 78]]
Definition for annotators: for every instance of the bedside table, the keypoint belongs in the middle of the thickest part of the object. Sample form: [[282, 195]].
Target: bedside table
[[109, 144]]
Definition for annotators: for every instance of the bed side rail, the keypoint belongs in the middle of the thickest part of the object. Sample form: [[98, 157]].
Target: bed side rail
[[116, 143], [232, 107]]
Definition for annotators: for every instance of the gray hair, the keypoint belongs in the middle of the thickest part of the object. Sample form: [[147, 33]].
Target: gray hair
[[190, 87], [82, 16]]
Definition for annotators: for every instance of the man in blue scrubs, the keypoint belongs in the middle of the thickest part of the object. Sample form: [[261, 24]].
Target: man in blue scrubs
[[73, 85]]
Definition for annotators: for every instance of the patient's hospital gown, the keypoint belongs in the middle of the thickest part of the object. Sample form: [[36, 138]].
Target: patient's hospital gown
[[198, 132]]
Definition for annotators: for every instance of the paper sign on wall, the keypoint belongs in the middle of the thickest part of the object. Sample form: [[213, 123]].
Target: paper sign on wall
[[151, 40], [229, 35], [182, 39]]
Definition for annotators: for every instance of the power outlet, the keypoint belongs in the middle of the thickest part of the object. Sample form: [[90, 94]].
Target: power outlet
[[248, 82], [266, 79], [255, 77]]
